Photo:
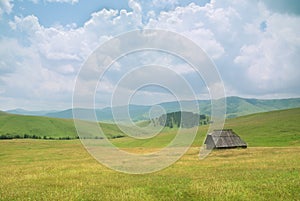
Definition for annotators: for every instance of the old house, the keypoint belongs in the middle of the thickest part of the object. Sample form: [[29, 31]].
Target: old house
[[225, 138]]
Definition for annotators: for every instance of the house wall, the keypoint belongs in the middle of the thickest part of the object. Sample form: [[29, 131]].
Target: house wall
[[209, 142]]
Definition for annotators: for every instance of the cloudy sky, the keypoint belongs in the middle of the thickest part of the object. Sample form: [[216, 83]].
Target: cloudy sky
[[254, 44]]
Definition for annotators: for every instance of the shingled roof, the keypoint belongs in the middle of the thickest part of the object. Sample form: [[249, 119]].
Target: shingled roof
[[224, 138]]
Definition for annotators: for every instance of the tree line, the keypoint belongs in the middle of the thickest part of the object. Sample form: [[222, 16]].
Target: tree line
[[181, 119], [28, 136]]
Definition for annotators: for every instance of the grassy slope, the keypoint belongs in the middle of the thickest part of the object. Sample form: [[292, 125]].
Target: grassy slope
[[45, 126], [277, 128], [40, 126]]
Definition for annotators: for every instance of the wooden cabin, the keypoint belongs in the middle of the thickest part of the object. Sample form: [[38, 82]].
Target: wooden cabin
[[224, 139]]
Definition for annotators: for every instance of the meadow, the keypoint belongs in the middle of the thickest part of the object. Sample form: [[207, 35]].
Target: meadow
[[63, 170], [269, 169]]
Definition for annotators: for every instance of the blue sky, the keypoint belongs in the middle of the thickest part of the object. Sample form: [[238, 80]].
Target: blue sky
[[43, 43], [52, 13]]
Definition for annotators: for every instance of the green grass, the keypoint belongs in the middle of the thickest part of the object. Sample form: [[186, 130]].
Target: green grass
[[63, 170], [277, 128], [44, 126], [40, 126]]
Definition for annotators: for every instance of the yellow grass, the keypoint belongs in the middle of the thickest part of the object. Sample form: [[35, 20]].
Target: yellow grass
[[63, 170]]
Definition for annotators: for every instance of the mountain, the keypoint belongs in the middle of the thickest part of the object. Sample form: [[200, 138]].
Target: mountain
[[137, 112], [236, 107], [31, 113], [68, 114]]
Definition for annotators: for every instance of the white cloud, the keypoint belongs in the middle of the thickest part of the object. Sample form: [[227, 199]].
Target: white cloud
[[136, 7], [43, 62], [28, 80], [271, 63], [5, 6], [28, 25], [251, 60], [12, 55], [72, 44], [190, 21]]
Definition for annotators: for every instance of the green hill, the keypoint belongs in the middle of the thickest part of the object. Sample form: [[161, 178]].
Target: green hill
[[236, 106], [276, 128], [18, 126]]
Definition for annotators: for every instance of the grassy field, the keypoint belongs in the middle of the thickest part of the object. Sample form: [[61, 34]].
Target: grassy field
[[63, 170]]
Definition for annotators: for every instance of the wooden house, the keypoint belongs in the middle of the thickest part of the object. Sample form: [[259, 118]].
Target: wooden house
[[223, 139]]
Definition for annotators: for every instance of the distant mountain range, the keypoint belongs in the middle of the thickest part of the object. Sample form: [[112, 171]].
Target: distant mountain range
[[30, 113], [236, 106]]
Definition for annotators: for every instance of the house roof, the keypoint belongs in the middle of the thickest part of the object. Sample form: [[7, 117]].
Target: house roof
[[226, 138]]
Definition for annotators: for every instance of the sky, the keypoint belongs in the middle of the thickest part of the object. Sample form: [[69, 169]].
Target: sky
[[254, 44]]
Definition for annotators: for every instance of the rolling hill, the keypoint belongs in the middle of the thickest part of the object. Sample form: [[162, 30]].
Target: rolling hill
[[276, 128], [236, 107], [12, 125], [138, 112]]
